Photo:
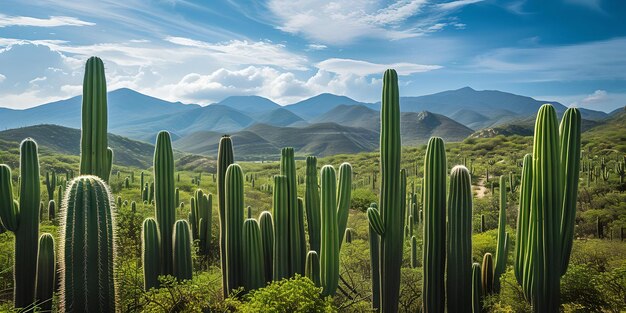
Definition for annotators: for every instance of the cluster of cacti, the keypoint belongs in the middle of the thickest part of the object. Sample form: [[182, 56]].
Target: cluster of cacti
[[200, 217], [549, 207], [165, 205], [295, 224], [87, 275], [23, 220], [388, 221]]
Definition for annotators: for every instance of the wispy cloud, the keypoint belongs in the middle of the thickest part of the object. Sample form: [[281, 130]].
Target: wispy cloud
[[52, 21], [456, 4], [364, 68]]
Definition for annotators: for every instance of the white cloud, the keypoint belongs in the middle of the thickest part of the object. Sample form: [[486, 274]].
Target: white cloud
[[600, 100], [2, 78], [456, 4], [596, 97], [316, 46], [53, 21], [364, 68]]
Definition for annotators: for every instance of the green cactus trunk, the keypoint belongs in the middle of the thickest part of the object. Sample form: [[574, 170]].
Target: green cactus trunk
[[267, 235], [329, 256], [181, 251], [297, 253], [434, 253], [477, 305], [522, 267], [344, 194], [46, 273], [253, 264], [392, 193], [234, 208], [95, 157], [501, 251], [312, 201], [151, 253], [374, 242], [51, 183], [486, 276], [281, 228], [414, 252], [225, 157], [459, 271], [88, 247], [165, 205], [52, 211], [312, 268]]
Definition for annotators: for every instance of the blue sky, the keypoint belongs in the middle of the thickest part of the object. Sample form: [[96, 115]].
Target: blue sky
[[572, 51]]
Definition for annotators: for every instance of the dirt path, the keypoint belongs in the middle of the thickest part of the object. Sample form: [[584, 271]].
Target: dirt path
[[481, 190]]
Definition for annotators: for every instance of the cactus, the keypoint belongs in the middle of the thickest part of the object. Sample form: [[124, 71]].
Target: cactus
[[281, 229], [459, 275], [344, 194], [374, 242], [348, 235], [88, 247], [414, 252], [253, 270], [434, 255], [501, 252], [523, 222], [329, 256], [181, 251], [225, 157], [297, 252], [46, 273], [165, 205], [477, 306], [151, 253], [234, 222], [141, 181], [52, 210], [487, 274], [51, 183], [23, 220], [192, 216], [555, 170], [312, 197], [95, 156], [312, 268], [392, 194], [267, 235], [483, 226], [204, 208]]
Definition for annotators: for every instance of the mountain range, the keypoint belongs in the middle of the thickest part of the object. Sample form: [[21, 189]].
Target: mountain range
[[322, 125]]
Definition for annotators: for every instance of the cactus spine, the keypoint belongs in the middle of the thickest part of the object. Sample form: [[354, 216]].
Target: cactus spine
[[253, 266], [385, 222], [297, 252], [151, 253], [46, 273], [555, 170], [434, 256], [234, 222], [225, 157], [88, 247], [165, 205], [501, 251], [23, 220], [95, 157], [329, 256], [267, 235], [312, 201], [181, 249], [459, 278]]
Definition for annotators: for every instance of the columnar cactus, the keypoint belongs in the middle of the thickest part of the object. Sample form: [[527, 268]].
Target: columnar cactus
[[520, 267], [193, 217], [234, 207], [297, 252], [46, 273], [281, 228], [95, 156], [165, 205], [312, 268], [204, 206], [181, 251], [253, 264], [51, 184], [486, 276], [151, 253], [348, 235], [389, 220], [555, 170], [225, 157], [459, 277], [434, 255], [88, 247], [267, 235], [312, 201], [477, 306], [329, 256], [23, 220], [501, 251], [374, 242], [344, 196], [414, 252]]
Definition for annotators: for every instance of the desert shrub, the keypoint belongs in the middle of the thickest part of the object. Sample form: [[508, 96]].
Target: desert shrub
[[362, 198]]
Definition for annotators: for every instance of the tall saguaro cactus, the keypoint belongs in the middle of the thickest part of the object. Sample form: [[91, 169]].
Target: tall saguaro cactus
[[23, 220], [312, 202], [552, 209], [225, 157], [165, 204], [459, 277], [87, 247], [95, 156], [389, 221], [434, 256], [234, 208], [46, 272], [151, 253], [329, 263]]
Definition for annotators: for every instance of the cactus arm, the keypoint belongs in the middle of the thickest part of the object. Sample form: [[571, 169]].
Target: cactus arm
[[375, 221], [9, 213], [344, 193]]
